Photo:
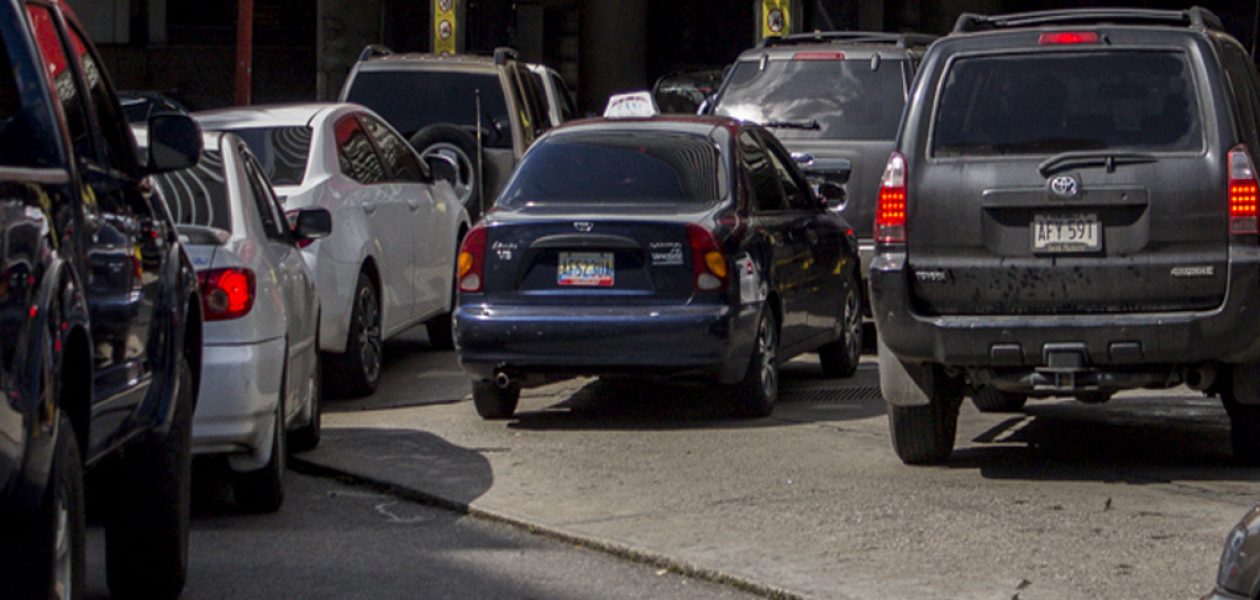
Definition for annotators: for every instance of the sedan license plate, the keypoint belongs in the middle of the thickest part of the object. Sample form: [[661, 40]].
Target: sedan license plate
[[586, 269], [1066, 233]]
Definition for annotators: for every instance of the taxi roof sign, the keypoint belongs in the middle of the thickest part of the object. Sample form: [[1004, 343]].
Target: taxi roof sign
[[632, 105]]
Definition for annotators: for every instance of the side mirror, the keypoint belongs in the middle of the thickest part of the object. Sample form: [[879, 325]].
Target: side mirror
[[831, 194], [312, 224], [443, 167], [174, 142]]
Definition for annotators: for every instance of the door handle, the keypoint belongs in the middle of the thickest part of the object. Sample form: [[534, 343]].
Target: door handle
[[413, 205], [369, 207]]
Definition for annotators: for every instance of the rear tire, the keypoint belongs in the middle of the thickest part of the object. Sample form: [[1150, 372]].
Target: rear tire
[[757, 394], [922, 434], [262, 491], [47, 553], [992, 400], [840, 358], [146, 534], [494, 402], [306, 438], [357, 371]]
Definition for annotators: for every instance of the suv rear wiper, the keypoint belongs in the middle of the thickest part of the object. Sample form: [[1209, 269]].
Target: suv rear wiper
[[810, 124], [1091, 158]]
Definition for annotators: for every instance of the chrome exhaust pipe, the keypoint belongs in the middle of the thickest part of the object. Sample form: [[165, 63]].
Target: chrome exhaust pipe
[[1201, 378], [502, 380]]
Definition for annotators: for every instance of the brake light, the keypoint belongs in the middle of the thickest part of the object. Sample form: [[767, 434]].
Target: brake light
[[226, 293], [1068, 37], [707, 260], [472, 261], [818, 55], [890, 214], [1243, 192]]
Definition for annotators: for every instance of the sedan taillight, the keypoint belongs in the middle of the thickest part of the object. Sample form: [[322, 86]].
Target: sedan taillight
[[470, 271], [226, 293], [707, 260]]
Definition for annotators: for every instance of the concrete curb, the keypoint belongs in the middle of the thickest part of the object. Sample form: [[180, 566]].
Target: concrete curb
[[622, 551]]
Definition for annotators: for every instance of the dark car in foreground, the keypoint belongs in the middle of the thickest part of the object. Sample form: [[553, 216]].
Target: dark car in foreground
[[100, 317], [661, 246], [1071, 211], [1238, 576]]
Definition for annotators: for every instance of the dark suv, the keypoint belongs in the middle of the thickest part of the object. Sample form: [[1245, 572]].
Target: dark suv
[[100, 318], [1071, 211], [834, 99], [439, 103]]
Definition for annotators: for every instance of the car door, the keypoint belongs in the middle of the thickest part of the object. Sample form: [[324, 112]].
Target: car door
[[126, 241], [427, 270], [384, 218], [772, 219], [291, 278], [822, 289]]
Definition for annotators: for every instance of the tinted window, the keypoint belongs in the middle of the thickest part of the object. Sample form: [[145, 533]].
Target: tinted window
[[618, 168], [413, 100], [567, 108], [763, 178], [198, 196], [398, 156], [117, 145], [22, 143], [828, 99], [357, 157], [1049, 103], [797, 198], [62, 80], [281, 151], [273, 223]]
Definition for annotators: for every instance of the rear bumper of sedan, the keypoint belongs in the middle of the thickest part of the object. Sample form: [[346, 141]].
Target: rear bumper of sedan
[[240, 386], [707, 340]]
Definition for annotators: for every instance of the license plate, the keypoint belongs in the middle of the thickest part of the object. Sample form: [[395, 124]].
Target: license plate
[[1066, 233], [587, 269]]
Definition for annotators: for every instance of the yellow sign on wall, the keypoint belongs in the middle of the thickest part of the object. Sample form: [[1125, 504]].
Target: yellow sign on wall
[[776, 18], [445, 23]]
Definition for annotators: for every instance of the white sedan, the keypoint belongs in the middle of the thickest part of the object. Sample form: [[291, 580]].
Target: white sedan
[[260, 384], [390, 261]]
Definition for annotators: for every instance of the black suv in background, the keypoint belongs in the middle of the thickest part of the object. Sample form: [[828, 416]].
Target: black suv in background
[[834, 99], [440, 102], [1071, 211], [100, 318]]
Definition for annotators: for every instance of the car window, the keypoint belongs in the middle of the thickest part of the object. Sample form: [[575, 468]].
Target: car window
[[61, 79], [826, 99], [282, 152], [24, 142], [1063, 101], [117, 143], [568, 109], [618, 168], [355, 153], [796, 195], [767, 195], [537, 95], [1242, 79], [273, 222], [397, 154], [413, 100], [198, 196]]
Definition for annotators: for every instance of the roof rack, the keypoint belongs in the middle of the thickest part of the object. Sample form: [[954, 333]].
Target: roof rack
[[1195, 17], [503, 53], [901, 40], [373, 51]]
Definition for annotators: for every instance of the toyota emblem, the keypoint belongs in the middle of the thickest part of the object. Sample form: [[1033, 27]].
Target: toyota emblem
[[1065, 186], [583, 226]]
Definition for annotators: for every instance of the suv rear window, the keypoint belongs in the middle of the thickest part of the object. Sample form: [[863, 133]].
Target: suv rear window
[[604, 168], [1058, 102], [198, 196], [413, 100], [847, 99], [282, 151]]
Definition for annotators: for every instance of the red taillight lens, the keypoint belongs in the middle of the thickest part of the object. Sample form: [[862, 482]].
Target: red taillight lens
[[708, 262], [226, 293], [472, 261], [890, 214], [1068, 37], [818, 55], [1243, 192]]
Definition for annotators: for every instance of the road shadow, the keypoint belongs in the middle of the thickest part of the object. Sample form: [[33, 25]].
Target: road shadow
[[1137, 440], [413, 373]]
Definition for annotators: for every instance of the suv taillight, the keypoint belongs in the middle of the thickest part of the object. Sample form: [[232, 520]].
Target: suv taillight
[[890, 214], [472, 261], [1242, 192], [707, 260], [226, 293]]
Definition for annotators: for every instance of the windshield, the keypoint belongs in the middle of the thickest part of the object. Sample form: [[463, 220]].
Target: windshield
[[1050, 103], [413, 100], [845, 98], [282, 151], [618, 169], [198, 196]]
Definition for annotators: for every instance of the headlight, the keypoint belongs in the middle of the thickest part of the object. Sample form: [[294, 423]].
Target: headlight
[[1228, 577]]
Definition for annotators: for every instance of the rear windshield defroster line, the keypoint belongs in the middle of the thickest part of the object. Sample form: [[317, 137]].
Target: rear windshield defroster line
[[607, 168], [1049, 103]]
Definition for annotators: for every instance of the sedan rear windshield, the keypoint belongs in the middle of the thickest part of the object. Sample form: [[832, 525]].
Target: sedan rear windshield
[[413, 100], [1058, 102], [818, 99], [282, 151], [611, 168], [198, 196]]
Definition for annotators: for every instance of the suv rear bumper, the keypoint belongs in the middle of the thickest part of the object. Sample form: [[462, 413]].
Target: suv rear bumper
[[1228, 333], [710, 340]]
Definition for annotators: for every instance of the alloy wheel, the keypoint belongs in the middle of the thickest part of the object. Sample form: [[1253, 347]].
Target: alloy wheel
[[853, 325], [766, 346], [370, 345], [63, 569]]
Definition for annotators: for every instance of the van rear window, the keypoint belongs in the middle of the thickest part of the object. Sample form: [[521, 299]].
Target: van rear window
[[1057, 102]]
